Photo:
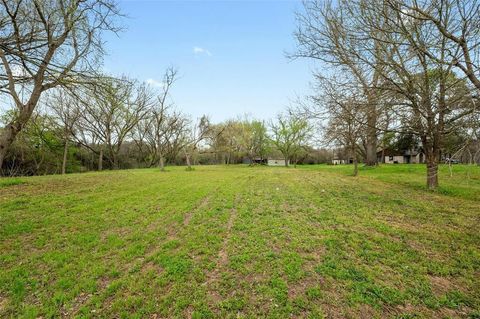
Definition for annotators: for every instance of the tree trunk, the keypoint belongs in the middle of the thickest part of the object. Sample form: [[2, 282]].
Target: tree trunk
[[187, 158], [7, 136], [355, 166], [353, 154], [100, 160], [161, 163], [3, 152], [383, 153], [286, 161], [432, 170], [114, 161], [65, 155], [371, 150], [371, 143]]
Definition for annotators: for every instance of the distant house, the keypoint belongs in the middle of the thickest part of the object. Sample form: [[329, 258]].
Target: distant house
[[412, 156], [277, 162], [337, 161], [255, 160]]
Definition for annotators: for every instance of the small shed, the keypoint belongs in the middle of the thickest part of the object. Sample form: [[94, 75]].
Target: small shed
[[401, 156], [277, 162], [337, 161]]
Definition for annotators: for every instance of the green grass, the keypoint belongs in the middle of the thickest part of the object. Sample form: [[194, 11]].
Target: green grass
[[5, 182], [242, 242]]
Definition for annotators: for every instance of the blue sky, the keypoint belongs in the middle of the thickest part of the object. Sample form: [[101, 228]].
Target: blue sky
[[230, 54]]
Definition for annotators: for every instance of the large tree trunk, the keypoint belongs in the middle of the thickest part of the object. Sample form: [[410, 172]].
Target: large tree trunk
[[371, 151], [100, 160], [372, 140], [382, 160], [355, 161], [7, 136], [114, 161], [187, 158], [65, 155], [161, 162], [432, 172], [286, 161], [371, 144], [355, 166], [431, 160], [3, 151]]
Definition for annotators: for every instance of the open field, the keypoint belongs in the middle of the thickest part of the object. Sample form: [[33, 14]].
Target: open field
[[240, 241]]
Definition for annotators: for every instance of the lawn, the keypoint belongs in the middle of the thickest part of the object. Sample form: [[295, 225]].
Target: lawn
[[241, 242]]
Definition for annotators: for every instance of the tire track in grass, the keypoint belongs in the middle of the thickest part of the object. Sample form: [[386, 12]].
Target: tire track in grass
[[143, 263], [214, 276], [172, 233], [223, 221], [211, 213], [296, 208], [204, 203]]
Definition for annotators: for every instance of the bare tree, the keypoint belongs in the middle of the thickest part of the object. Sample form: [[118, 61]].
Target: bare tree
[[430, 97], [116, 108], [409, 56], [164, 124], [226, 140], [456, 23], [68, 110], [199, 132], [161, 125], [343, 127], [45, 44], [324, 34], [158, 133]]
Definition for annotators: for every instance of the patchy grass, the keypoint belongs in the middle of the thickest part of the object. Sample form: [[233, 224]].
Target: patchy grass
[[463, 182], [229, 242], [5, 182]]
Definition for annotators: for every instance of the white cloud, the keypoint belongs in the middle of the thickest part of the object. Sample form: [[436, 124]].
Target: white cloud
[[154, 82], [198, 50]]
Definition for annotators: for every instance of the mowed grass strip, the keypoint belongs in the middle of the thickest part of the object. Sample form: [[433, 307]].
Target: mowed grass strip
[[239, 241]]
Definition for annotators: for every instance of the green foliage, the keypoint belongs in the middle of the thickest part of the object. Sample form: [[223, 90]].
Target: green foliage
[[290, 134], [5, 182], [241, 138], [38, 149]]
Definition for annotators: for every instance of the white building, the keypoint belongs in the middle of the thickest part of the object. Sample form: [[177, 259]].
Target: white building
[[337, 161], [401, 157], [277, 162]]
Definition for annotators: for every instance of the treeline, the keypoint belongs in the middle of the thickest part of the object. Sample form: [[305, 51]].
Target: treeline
[[111, 124], [122, 123], [394, 67]]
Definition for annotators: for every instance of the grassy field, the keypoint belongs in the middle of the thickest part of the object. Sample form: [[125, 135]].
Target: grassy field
[[241, 242]]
